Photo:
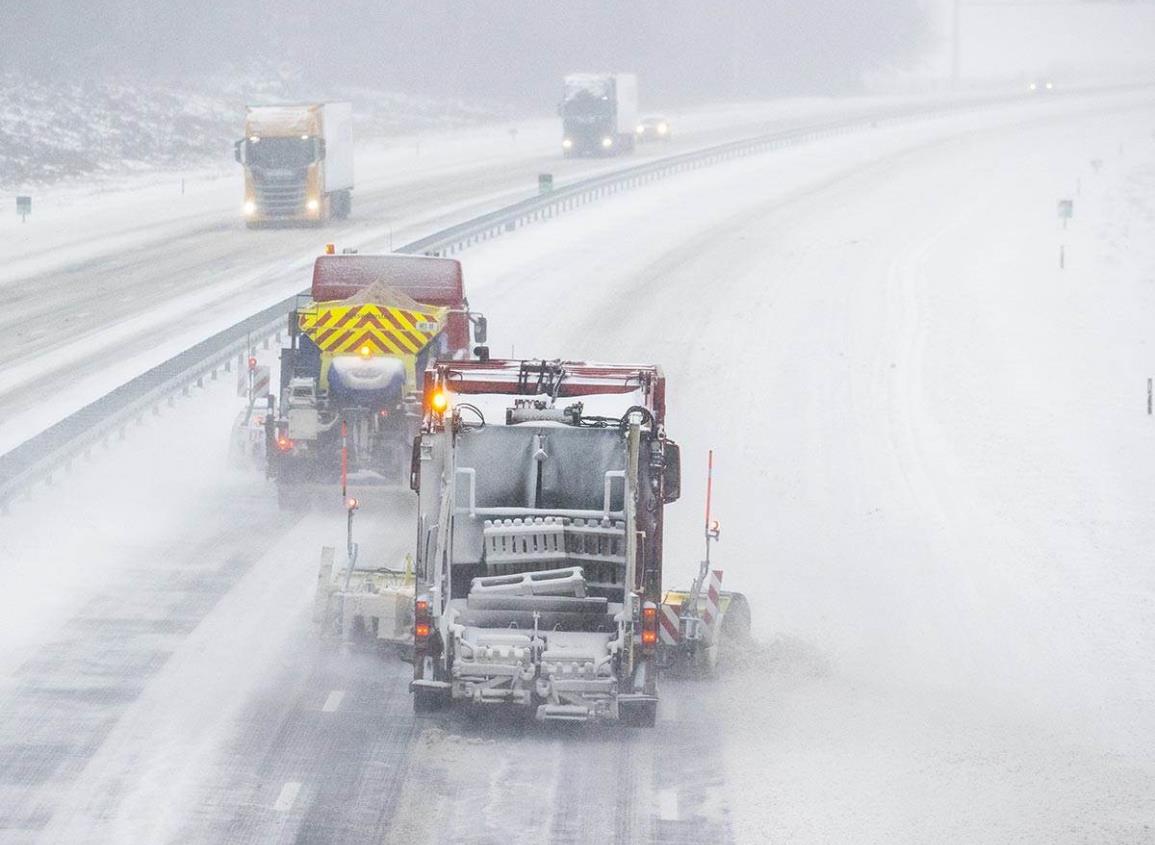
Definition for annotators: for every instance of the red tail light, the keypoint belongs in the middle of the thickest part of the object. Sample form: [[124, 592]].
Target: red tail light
[[284, 443], [649, 626], [422, 624]]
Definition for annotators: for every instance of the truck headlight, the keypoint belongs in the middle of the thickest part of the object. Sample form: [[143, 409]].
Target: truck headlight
[[607, 142], [663, 128], [312, 205], [250, 208], [566, 143], [641, 130]]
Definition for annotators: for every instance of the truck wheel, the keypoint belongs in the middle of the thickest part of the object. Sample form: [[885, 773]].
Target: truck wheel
[[641, 715], [290, 498], [427, 700]]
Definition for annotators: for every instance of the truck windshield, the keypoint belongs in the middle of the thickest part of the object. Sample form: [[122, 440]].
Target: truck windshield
[[584, 103], [597, 87], [281, 152]]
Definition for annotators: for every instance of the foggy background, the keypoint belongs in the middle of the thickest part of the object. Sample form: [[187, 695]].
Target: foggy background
[[110, 85], [509, 51]]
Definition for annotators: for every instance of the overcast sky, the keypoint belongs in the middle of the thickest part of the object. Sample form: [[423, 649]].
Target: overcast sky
[[506, 50], [518, 51]]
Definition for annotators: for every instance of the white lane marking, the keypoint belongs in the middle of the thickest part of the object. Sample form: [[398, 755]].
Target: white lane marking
[[333, 701], [288, 796], [668, 805]]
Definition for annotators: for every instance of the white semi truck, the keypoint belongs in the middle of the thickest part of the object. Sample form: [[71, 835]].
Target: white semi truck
[[599, 114]]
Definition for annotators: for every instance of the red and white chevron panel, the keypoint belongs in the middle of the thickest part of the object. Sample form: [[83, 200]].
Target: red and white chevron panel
[[713, 596], [668, 625]]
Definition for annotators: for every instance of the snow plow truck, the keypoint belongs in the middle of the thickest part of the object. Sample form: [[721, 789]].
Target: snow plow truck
[[541, 489], [349, 403], [538, 576]]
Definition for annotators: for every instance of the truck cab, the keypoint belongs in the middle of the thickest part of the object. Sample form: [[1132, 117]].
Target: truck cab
[[298, 163], [541, 489], [599, 114]]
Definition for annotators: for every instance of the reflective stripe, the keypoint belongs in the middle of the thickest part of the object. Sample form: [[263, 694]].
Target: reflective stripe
[[668, 624], [350, 328], [713, 596]]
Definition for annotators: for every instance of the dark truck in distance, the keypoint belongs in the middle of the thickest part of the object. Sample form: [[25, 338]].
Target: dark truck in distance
[[599, 114]]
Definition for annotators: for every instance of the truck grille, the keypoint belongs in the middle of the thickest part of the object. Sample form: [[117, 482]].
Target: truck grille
[[280, 196]]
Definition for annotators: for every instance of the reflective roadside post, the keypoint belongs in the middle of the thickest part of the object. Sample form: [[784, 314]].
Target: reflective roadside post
[[1066, 212]]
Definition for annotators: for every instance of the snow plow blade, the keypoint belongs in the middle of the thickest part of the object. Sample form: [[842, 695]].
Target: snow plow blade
[[364, 605]]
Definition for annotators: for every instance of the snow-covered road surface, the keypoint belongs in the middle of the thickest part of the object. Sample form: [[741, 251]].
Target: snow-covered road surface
[[932, 458]]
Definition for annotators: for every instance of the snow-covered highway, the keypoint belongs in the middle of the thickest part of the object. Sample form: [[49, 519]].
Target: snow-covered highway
[[101, 286], [933, 483]]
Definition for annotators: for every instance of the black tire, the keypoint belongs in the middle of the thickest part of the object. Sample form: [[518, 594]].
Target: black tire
[[643, 714], [341, 204], [289, 498], [427, 700]]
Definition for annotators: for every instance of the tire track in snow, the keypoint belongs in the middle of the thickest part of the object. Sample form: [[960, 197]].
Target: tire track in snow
[[69, 696]]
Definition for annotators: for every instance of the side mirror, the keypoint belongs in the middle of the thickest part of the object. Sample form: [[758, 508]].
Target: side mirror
[[239, 151], [480, 329], [672, 473], [320, 149]]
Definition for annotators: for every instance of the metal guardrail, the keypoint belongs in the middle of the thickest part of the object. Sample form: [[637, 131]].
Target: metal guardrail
[[39, 459]]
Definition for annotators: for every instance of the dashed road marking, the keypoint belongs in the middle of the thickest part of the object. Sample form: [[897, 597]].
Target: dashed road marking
[[288, 796], [668, 805], [333, 701]]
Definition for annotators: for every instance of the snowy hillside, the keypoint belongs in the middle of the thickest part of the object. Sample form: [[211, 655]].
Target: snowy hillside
[[54, 132]]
